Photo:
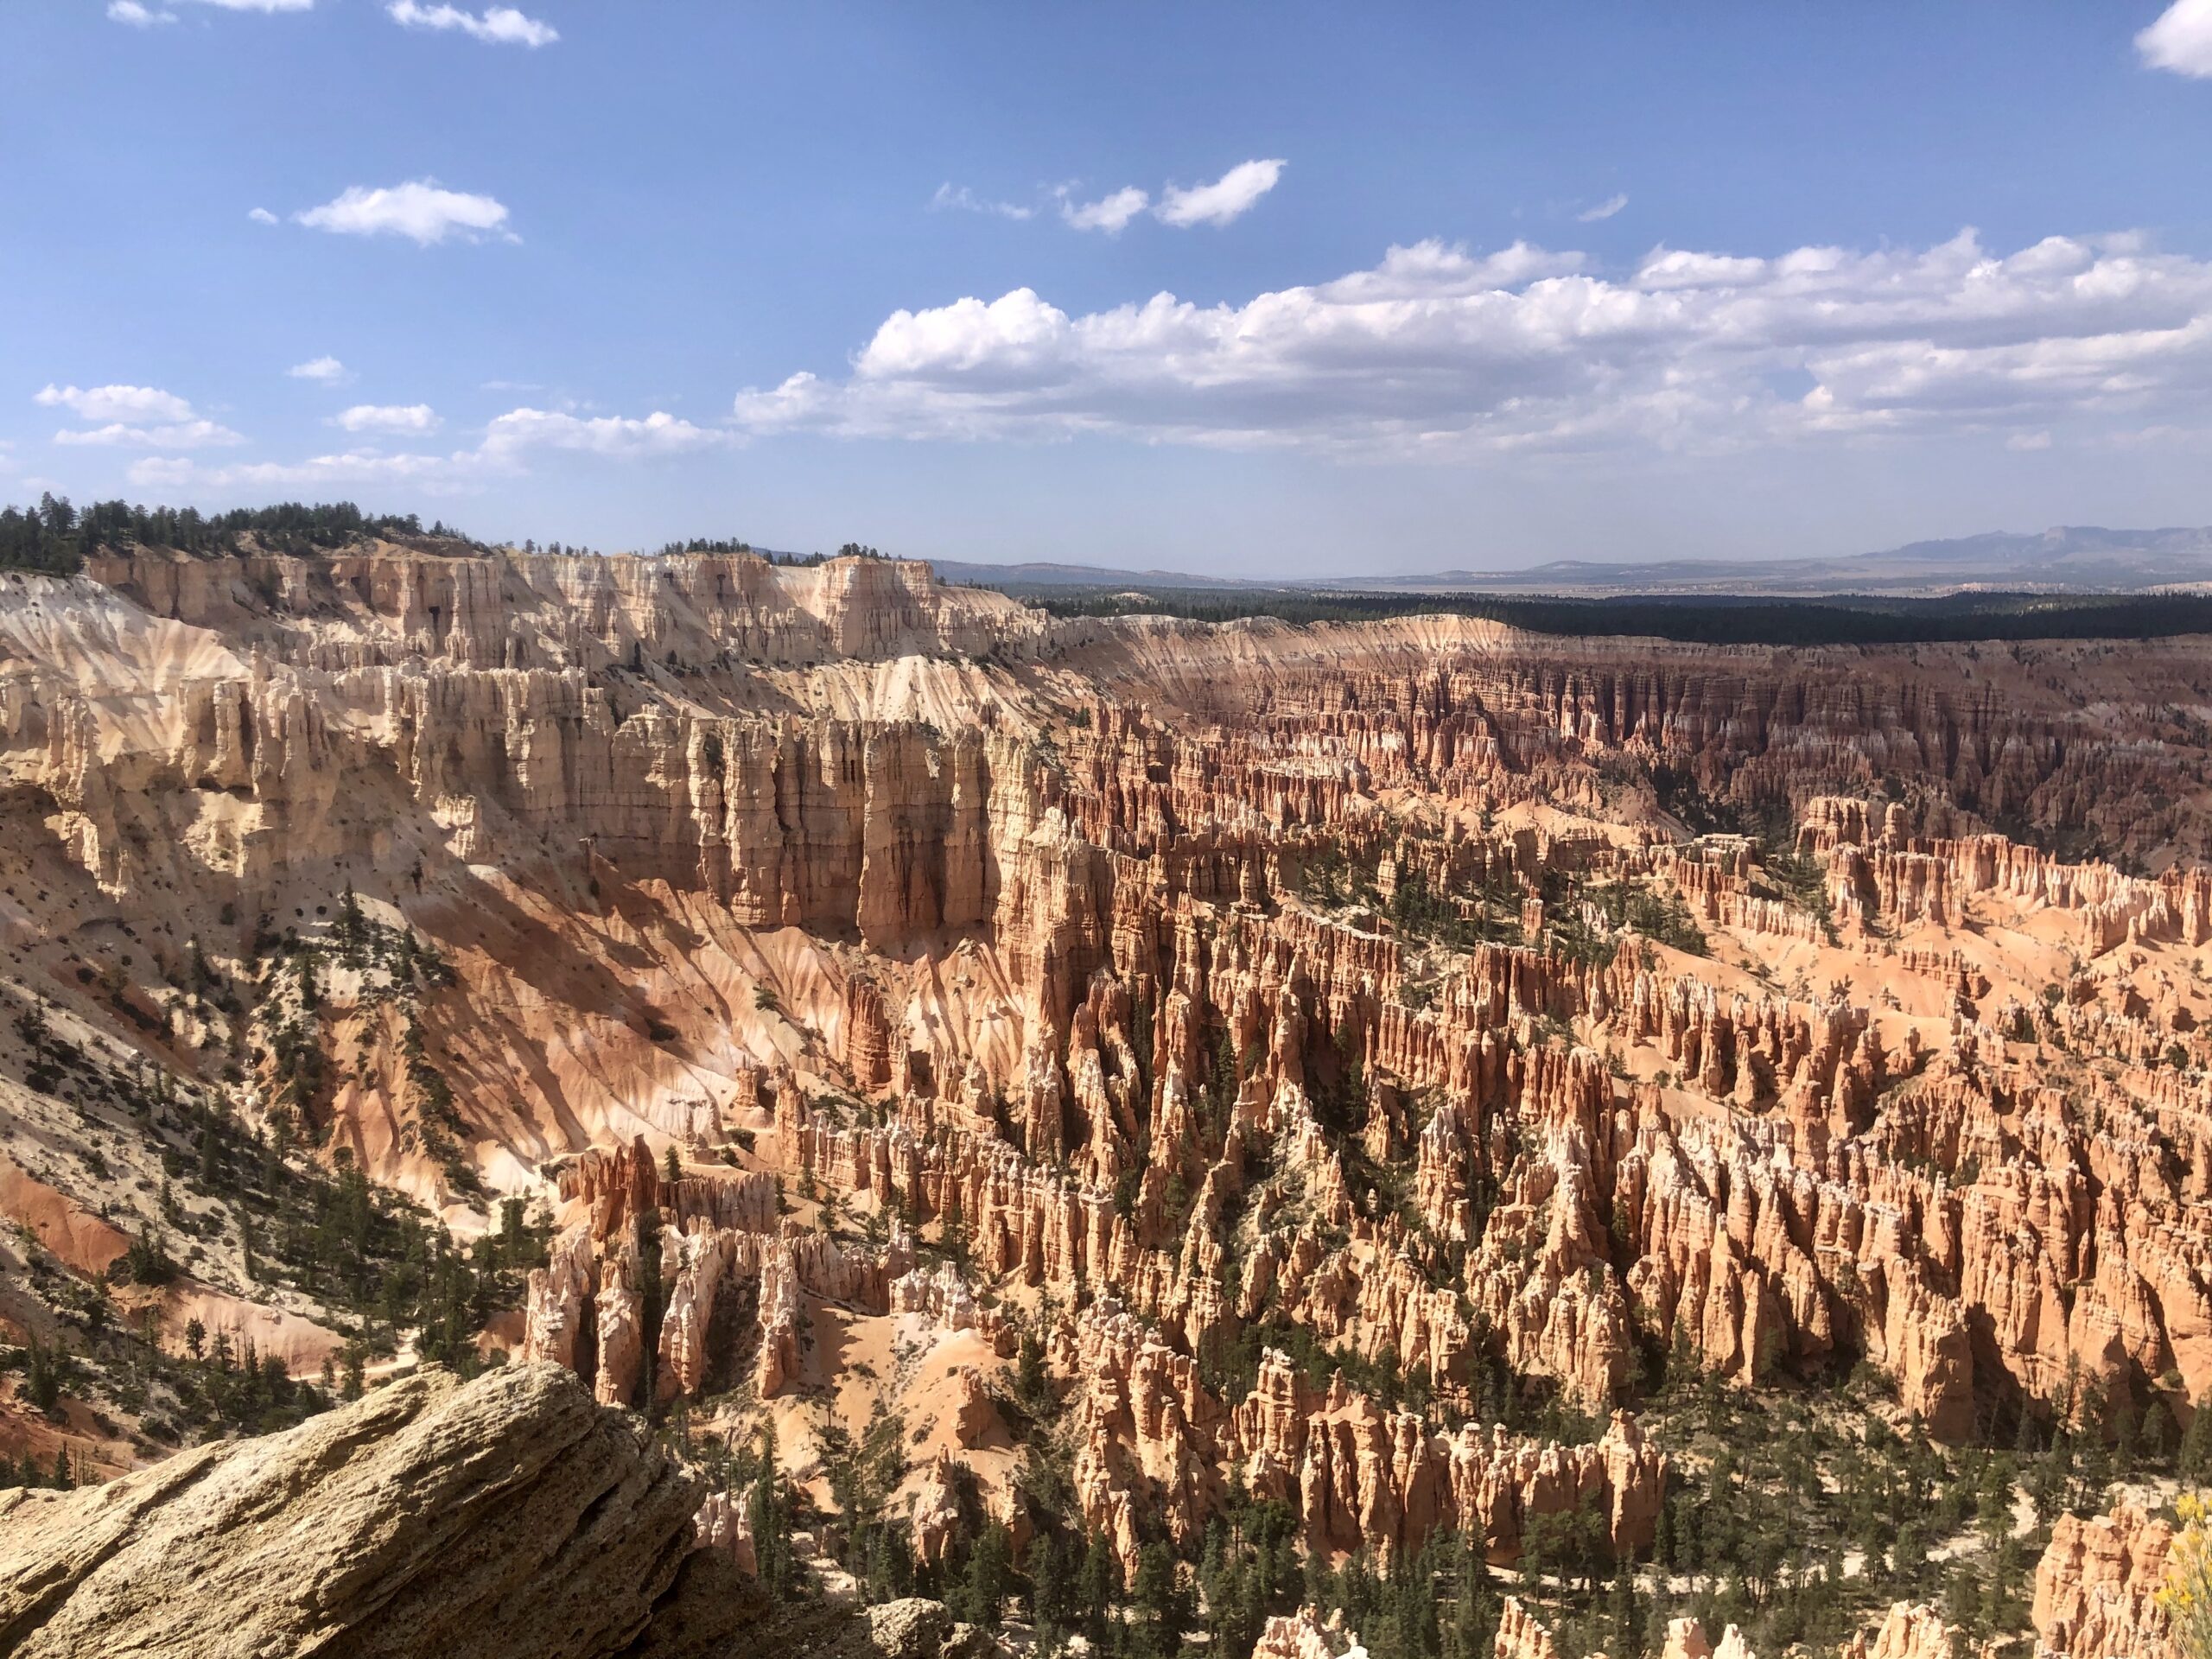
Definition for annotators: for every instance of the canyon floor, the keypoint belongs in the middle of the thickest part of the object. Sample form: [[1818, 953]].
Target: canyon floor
[[1144, 1132]]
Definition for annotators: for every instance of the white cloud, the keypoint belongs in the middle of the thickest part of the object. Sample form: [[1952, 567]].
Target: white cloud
[[961, 199], [181, 434], [1110, 213], [116, 402], [657, 434], [323, 371], [2181, 39], [261, 216], [508, 444], [1605, 209], [439, 474], [142, 417], [421, 210], [1225, 199], [495, 25], [387, 417], [138, 16], [1675, 268], [1438, 350]]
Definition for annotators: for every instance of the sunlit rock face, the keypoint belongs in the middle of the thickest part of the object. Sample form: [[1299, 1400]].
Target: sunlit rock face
[[1330, 1049], [392, 1540]]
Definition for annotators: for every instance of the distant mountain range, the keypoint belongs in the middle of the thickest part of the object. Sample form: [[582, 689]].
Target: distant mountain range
[[1037, 577], [2068, 559]]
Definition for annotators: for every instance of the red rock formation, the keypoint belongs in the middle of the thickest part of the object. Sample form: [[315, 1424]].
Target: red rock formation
[[1519, 1635], [1153, 1439], [1907, 1631], [2096, 1585], [697, 1268], [1158, 972], [1302, 1634]]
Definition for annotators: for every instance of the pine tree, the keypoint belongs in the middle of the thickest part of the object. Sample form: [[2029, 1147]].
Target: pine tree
[[1627, 1615], [2197, 1442], [953, 1229], [41, 1376], [990, 1565], [769, 1513], [653, 1305], [1474, 1604], [1409, 1599], [1098, 1588], [1029, 1378], [352, 928], [1162, 1609], [1049, 1593]]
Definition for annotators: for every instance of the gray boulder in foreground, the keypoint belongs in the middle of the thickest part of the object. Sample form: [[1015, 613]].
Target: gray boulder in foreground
[[509, 1517]]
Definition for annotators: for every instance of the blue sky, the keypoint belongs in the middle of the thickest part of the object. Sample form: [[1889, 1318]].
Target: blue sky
[[1248, 288]]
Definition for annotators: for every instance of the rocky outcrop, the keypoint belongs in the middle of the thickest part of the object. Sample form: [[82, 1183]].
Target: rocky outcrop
[[1152, 1440], [2097, 1585], [507, 1518], [1520, 1636], [1303, 1635], [1476, 1014], [1908, 1631], [769, 1276], [1686, 1639]]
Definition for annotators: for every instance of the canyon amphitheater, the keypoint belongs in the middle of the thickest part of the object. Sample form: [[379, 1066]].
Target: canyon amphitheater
[[563, 1105]]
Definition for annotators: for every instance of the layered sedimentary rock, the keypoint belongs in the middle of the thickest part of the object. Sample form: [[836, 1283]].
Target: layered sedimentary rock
[[2097, 1585], [508, 1517], [1520, 1636], [1302, 1635], [1907, 1631], [1153, 1440], [1476, 1014]]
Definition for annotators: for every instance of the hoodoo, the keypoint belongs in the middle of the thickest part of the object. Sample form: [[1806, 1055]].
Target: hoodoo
[[1015, 1101]]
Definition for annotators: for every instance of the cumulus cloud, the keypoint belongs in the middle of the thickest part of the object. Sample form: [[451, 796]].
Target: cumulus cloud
[[261, 216], [1227, 198], [422, 210], [1224, 199], [1605, 209], [960, 198], [138, 16], [657, 434], [181, 434], [137, 417], [438, 473], [495, 25], [323, 371], [2180, 39], [1440, 350], [115, 403], [387, 417], [509, 443], [1110, 213]]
